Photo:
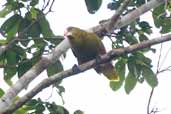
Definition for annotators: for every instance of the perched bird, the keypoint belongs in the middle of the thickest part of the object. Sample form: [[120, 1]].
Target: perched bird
[[87, 46]]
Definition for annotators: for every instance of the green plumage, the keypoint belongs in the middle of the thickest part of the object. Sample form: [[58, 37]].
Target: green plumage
[[87, 46]]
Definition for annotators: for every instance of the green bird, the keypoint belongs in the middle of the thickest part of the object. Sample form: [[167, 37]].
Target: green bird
[[87, 46]]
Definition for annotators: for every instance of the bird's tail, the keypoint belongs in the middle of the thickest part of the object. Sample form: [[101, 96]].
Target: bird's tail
[[109, 71]]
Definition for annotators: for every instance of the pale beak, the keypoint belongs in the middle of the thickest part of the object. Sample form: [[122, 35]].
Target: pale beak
[[67, 33]]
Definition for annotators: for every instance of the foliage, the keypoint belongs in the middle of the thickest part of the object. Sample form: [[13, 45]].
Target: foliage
[[37, 106], [30, 26]]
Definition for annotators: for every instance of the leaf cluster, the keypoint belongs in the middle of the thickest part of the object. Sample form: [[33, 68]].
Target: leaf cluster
[[28, 27], [37, 106]]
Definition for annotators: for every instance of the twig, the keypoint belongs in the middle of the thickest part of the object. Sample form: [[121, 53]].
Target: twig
[[50, 8], [158, 63], [45, 6], [152, 90], [149, 101], [165, 57], [40, 38], [157, 72]]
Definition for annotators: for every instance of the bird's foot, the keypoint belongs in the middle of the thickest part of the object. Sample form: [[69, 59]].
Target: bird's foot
[[98, 60], [76, 69]]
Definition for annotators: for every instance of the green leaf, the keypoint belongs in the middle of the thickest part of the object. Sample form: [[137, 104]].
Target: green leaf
[[158, 11], [32, 102], [132, 66], [61, 89], [16, 5], [113, 5], [21, 53], [9, 73], [161, 20], [45, 26], [34, 12], [34, 2], [78, 112], [2, 42], [1, 92], [130, 38], [120, 68], [56, 109], [23, 67], [166, 25], [39, 108], [23, 25], [150, 77], [40, 45], [93, 5], [144, 25], [34, 30], [142, 37], [12, 58], [54, 68], [130, 82], [5, 11], [116, 85], [11, 25]]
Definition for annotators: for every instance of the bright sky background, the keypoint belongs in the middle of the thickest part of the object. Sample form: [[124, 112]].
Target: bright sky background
[[90, 92]]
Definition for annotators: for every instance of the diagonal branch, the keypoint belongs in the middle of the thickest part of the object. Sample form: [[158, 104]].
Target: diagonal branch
[[9, 96], [105, 58], [127, 19], [112, 22]]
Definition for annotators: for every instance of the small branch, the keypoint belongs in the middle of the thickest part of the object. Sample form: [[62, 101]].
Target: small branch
[[165, 69], [50, 8], [112, 22], [91, 64], [40, 38], [155, 110], [152, 90], [149, 102], [158, 64], [165, 57], [45, 6]]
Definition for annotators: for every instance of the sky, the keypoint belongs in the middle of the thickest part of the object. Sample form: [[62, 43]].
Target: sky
[[89, 91]]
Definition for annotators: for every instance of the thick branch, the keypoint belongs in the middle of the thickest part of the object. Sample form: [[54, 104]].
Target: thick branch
[[105, 58], [8, 97]]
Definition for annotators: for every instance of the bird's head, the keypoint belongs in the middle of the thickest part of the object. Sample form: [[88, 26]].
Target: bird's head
[[71, 32], [75, 35]]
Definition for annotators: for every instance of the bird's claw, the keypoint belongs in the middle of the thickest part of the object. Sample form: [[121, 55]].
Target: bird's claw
[[98, 59], [76, 69]]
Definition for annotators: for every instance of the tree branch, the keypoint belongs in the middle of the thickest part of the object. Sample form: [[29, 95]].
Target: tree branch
[[91, 64], [23, 82], [125, 20], [114, 19]]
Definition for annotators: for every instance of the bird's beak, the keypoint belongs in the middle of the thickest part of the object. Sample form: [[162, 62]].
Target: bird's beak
[[67, 33]]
